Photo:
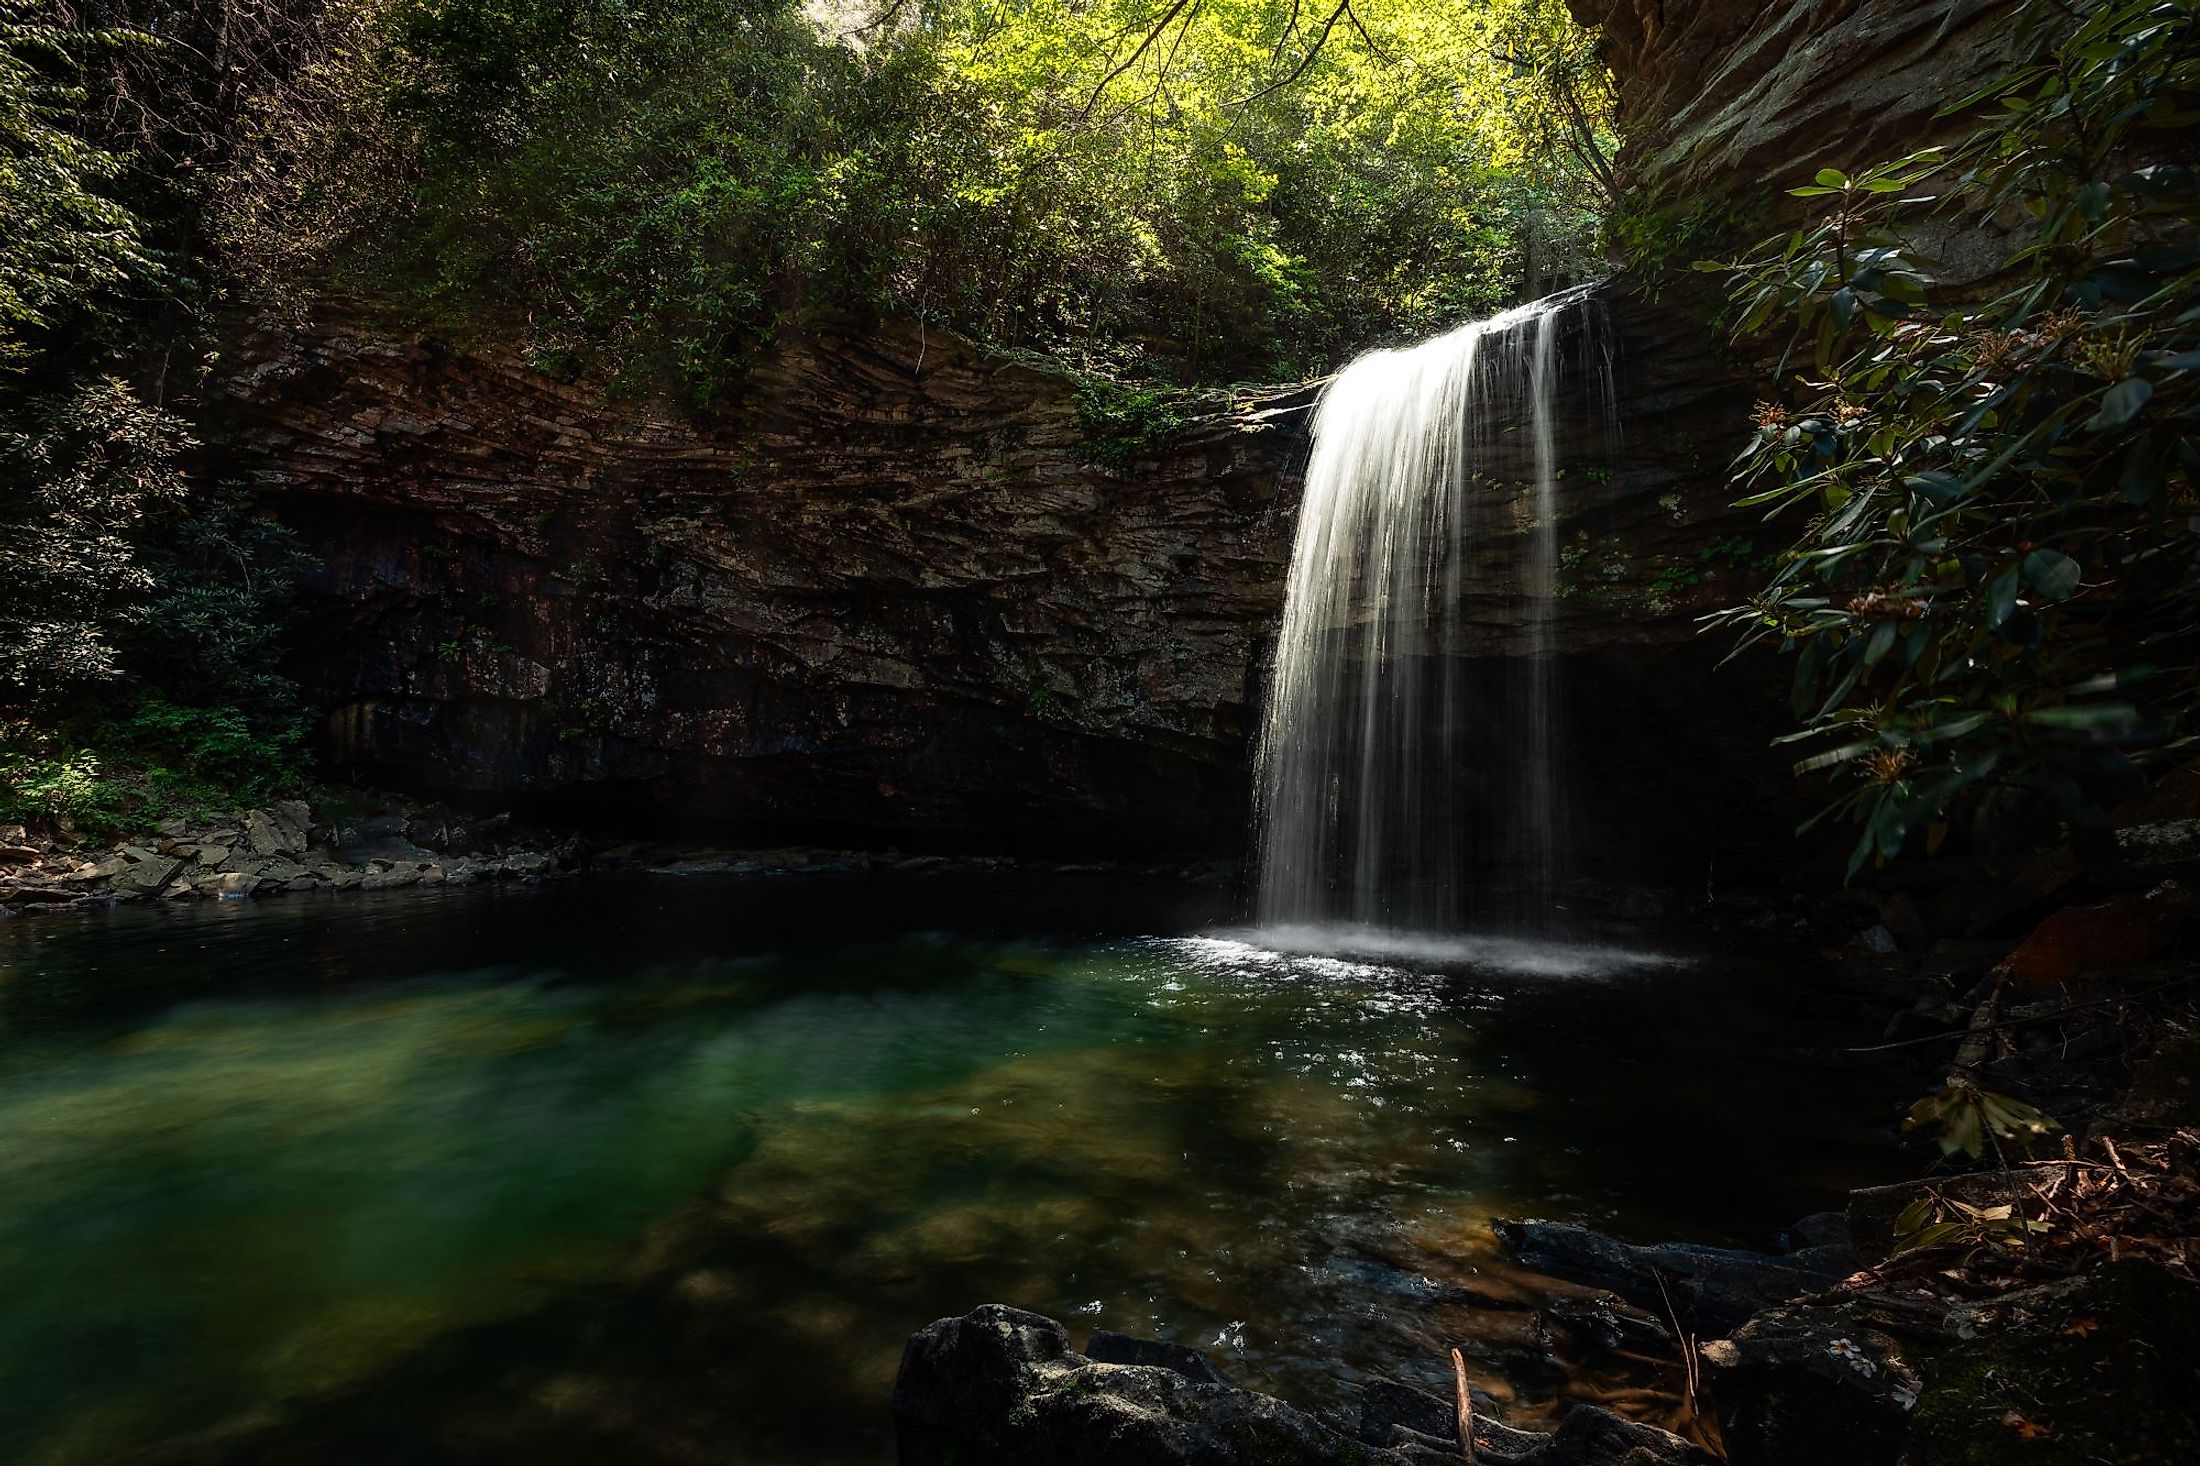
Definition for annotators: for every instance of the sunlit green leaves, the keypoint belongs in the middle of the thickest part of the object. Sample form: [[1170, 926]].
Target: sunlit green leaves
[[1966, 1119], [64, 238], [1206, 191]]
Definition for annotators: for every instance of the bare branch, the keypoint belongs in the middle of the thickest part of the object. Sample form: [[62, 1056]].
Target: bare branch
[[1144, 45], [1305, 62]]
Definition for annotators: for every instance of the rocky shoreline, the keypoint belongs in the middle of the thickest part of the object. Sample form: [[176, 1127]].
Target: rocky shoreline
[[284, 848], [290, 847]]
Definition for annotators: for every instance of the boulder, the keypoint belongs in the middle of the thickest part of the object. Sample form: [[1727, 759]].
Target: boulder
[[47, 896], [1810, 1387], [2080, 941], [268, 837], [143, 877], [1819, 1229], [2164, 843], [1002, 1387], [376, 827], [1610, 1323], [231, 885], [389, 849], [2095, 1368], [294, 820], [105, 868]]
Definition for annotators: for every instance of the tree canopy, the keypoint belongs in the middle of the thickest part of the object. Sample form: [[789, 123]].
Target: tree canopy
[[1187, 189]]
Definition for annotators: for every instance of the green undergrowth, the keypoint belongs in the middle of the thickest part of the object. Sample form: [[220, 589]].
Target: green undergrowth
[[1121, 423], [109, 774]]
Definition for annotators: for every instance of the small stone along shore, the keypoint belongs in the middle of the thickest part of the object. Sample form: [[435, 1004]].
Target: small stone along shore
[[282, 848]]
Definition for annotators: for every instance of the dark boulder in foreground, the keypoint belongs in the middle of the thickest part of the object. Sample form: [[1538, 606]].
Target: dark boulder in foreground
[[1811, 1387], [1002, 1387], [2101, 1367]]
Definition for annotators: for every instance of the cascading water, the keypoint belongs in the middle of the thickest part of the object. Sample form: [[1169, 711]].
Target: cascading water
[[1373, 737]]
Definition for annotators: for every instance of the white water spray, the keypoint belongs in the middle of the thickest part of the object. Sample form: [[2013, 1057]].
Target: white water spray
[[1373, 737]]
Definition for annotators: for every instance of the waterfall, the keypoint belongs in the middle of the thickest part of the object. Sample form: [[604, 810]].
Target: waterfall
[[1386, 773]]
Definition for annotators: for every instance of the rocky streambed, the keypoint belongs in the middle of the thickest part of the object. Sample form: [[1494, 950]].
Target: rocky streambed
[[2002, 1308], [1832, 1354]]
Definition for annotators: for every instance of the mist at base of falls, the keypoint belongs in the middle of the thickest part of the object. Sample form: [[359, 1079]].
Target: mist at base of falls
[[1514, 956], [1373, 734]]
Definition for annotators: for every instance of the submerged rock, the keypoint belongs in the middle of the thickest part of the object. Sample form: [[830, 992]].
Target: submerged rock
[[1425, 1425], [1397, 1414], [1106, 1347], [1713, 1289]]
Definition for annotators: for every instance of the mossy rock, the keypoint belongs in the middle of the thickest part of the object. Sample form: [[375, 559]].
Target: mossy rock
[[2099, 1370]]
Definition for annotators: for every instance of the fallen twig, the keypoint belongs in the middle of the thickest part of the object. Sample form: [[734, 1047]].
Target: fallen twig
[[1465, 1407]]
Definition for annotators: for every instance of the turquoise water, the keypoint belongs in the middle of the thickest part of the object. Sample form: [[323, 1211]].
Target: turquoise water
[[668, 1169]]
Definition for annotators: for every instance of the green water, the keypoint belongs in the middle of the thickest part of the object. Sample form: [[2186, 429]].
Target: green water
[[668, 1169]]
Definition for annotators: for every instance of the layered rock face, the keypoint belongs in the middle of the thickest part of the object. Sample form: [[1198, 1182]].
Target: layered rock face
[[899, 596], [1727, 97], [893, 594]]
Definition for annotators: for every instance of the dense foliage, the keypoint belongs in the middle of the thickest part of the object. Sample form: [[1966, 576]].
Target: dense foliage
[[137, 659], [1197, 190], [1995, 601]]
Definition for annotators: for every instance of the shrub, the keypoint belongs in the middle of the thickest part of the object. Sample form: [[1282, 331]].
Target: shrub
[[1995, 600]]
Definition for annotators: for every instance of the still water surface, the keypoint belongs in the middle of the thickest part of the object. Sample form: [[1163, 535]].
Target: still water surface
[[667, 1169]]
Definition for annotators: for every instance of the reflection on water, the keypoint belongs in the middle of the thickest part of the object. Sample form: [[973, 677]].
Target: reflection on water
[[641, 1171]]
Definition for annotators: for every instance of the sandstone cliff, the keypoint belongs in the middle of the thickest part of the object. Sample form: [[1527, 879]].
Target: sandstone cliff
[[892, 594]]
